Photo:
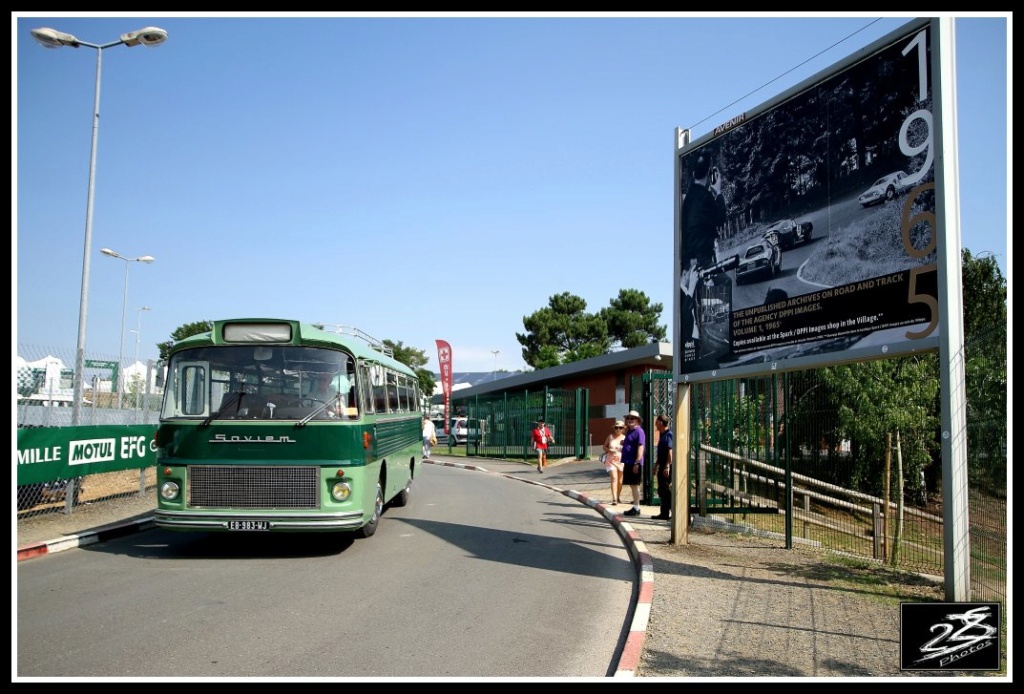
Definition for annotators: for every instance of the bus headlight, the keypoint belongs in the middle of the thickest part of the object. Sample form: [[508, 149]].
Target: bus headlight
[[341, 491], [169, 490]]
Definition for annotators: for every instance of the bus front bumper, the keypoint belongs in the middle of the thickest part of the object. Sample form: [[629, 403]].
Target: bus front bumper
[[233, 521]]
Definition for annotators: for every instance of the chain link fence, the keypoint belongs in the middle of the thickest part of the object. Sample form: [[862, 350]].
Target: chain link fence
[[806, 441], [45, 389], [44, 393]]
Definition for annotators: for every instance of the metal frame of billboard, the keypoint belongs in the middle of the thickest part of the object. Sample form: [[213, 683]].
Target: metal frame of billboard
[[915, 82], [871, 281]]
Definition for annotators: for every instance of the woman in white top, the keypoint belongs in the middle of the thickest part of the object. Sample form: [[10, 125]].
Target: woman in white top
[[429, 435], [613, 458]]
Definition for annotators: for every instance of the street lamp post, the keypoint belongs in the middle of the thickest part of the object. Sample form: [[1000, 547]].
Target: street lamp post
[[51, 38], [138, 337], [494, 374], [124, 308]]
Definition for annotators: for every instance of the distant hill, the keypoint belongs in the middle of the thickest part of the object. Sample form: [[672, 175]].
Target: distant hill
[[471, 379]]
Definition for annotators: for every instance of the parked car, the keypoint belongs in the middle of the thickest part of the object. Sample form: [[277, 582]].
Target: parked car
[[442, 438], [789, 233], [463, 429], [884, 189], [761, 259]]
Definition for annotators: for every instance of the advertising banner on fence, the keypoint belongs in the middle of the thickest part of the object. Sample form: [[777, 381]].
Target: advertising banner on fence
[[54, 453], [444, 361]]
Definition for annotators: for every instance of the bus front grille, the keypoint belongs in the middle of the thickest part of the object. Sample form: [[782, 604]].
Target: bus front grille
[[262, 486]]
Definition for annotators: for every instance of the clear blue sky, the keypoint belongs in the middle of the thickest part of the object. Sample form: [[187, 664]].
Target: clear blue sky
[[420, 178]]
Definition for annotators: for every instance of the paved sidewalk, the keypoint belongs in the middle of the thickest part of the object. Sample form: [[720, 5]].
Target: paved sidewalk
[[724, 605]]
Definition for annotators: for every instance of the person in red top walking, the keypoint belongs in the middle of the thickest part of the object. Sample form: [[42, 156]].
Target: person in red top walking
[[541, 439]]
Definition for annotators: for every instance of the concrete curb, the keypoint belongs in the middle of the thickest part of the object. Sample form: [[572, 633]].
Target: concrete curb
[[38, 549], [629, 658]]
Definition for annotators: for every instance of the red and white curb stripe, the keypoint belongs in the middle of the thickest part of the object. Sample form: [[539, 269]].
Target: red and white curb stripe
[[629, 659], [38, 549]]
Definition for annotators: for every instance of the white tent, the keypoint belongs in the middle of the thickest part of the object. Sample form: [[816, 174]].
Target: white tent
[[50, 391]]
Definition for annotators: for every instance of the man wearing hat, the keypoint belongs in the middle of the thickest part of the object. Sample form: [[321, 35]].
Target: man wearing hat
[[541, 439], [633, 459]]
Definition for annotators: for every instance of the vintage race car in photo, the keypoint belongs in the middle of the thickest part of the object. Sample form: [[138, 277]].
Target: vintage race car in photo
[[788, 233], [884, 189], [761, 260]]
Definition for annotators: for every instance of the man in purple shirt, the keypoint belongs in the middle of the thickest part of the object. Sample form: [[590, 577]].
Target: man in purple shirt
[[633, 459]]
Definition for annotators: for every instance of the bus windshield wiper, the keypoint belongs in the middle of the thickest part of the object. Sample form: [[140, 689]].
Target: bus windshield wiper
[[233, 398], [323, 406]]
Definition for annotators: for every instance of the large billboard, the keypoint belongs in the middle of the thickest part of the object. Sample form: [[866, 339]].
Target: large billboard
[[806, 229]]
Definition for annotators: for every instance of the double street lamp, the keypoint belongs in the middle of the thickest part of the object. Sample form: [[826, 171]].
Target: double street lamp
[[124, 308], [51, 38]]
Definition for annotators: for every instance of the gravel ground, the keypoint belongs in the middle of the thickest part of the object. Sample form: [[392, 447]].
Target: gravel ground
[[733, 605]]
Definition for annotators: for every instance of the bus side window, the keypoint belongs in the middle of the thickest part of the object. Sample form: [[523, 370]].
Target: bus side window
[[380, 399], [406, 395], [364, 390]]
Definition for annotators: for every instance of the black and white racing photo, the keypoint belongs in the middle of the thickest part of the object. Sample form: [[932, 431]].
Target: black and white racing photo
[[809, 225]]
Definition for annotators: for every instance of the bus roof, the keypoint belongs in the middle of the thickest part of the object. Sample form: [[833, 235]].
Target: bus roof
[[359, 344]]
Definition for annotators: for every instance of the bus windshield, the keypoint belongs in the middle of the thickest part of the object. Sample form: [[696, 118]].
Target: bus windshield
[[261, 382]]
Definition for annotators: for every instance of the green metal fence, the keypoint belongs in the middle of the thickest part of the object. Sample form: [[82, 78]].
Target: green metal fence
[[507, 420], [652, 393], [987, 461], [792, 454]]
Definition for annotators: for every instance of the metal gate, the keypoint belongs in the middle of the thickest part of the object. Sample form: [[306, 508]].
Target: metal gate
[[652, 393], [733, 427], [731, 423]]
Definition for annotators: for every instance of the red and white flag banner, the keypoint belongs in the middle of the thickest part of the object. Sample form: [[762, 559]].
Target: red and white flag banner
[[444, 360]]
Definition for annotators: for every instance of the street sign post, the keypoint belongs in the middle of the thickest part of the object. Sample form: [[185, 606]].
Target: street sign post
[[100, 364]]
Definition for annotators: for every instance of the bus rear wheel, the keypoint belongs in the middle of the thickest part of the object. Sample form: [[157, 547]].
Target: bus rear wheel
[[378, 507]]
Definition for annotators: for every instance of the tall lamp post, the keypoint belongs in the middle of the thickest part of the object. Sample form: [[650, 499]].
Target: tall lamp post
[[124, 308], [494, 374], [138, 337], [51, 38]]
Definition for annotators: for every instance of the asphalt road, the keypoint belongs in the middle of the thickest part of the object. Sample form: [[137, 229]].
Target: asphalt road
[[479, 576]]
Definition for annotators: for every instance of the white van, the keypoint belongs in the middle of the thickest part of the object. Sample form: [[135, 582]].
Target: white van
[[463, 429]]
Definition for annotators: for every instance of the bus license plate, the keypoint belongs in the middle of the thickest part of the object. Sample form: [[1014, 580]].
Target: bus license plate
[[248, 525]]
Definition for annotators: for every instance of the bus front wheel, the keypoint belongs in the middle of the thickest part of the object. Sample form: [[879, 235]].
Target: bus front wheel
[[378, 506], [402, 497]]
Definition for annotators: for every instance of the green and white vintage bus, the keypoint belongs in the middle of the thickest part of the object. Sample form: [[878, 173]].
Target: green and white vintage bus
[[247, 442]]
